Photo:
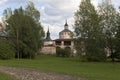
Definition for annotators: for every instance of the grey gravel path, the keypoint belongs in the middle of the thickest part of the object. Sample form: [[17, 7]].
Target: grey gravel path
[[30, 74]]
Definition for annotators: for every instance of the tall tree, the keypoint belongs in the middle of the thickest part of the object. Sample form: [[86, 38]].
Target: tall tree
[[31, 11], [107, 13], [25, 33], [117, 37], [88, 31]]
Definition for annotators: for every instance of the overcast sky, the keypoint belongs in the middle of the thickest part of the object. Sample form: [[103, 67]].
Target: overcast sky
[[53, 12]]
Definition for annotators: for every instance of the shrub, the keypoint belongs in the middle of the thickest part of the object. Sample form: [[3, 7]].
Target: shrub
[[63, 52], [97, 57], [6, 50], [117, 55]]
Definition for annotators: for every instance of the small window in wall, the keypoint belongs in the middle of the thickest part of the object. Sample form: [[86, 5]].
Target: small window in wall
[[58, 42], [67, 43]]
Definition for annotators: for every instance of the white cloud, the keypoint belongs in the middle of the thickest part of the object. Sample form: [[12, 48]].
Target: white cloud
[[3, 1], [95, 2], [116, 3]]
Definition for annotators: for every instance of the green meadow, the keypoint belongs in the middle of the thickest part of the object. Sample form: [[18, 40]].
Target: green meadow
[[5, 77], [71, 66]]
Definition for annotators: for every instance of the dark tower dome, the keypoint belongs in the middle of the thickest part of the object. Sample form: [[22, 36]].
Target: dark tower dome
[[48, 35], [66, 25]]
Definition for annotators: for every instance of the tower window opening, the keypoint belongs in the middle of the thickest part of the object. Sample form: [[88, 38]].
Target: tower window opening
[[67, 42]]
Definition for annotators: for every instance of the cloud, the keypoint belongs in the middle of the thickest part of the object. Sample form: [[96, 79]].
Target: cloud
[[3, 1], [116, 3], [60, 7], [95, 2]]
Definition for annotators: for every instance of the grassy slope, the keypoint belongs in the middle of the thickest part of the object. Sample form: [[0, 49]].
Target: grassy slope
[[89, 70]]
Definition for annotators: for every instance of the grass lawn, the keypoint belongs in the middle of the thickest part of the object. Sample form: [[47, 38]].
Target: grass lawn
[[5, 77], [72, 66]]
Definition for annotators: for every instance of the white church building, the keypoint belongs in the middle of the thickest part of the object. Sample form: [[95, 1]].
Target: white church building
[[65, 41]]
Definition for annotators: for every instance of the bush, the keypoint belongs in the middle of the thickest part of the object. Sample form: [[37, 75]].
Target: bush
[[6, 50], [117, 55], [97, 57], [63, 52], [58, 51]]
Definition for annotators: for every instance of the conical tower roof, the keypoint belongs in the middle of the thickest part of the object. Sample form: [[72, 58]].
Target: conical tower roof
[[66, 24], [48, 35]]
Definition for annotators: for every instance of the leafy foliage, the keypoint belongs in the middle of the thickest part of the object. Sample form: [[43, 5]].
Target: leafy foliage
[[90, 40], [6, 50], [108, 22], [32, 11], [63, 52], [25, 32], [117, 38]]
